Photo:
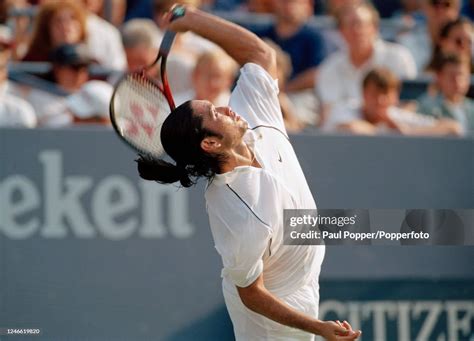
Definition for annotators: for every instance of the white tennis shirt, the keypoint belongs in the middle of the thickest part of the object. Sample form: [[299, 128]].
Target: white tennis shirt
[[245, 208]]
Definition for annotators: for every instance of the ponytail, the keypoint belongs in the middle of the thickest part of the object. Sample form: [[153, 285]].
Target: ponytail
[[163, 172]]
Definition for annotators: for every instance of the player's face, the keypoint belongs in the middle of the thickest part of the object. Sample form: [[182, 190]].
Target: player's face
[[223, 121]]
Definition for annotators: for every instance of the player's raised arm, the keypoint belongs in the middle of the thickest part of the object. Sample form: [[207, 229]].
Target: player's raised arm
[[239, 43]]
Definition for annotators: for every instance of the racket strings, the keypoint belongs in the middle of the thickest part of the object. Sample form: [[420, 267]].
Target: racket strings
[[140, 109]]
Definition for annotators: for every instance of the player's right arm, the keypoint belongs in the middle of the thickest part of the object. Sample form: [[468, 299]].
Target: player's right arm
[[241, 44], [258, 299]]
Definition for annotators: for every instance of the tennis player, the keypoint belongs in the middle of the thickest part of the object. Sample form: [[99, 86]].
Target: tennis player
[[271, 290]]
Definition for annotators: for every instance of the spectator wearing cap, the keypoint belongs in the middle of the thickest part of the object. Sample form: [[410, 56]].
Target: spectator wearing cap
[[90, 105], [103, 39], [452, 76], [14, 111], [71, 66], [422, 39], [341, 74], [379, 113], [70, 63], [57, 23]]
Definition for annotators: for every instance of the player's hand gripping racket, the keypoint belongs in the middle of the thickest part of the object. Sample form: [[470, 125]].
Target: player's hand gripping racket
[[140, 104]]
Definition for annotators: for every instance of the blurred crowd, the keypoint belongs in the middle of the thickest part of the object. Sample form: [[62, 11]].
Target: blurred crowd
[[342, 66]]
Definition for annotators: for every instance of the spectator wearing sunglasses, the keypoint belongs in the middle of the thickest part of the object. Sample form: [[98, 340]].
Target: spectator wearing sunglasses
[[456, 37], [421, 40]]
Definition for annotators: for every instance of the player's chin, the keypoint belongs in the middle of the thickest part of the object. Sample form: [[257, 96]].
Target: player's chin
[[243, 125]]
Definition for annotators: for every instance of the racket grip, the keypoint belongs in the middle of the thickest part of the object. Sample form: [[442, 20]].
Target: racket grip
[[177, 12]]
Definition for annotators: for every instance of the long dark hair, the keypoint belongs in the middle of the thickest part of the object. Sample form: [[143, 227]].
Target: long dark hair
[[181, 136]]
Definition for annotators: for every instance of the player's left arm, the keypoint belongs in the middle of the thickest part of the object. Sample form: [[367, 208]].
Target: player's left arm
[[258, 299]]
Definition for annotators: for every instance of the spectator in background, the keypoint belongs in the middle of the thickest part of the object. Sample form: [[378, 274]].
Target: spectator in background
[[411, 14], [90, 105], [340, 76], [14, 111], [378, 112], [333, 6], [456, 37], [70, 66], [452, 76], [303, 43], [69, 73], [141, 39], [103, 38], [421, 40], [212, 79], [333, 34], [20, 24], [57, 23]]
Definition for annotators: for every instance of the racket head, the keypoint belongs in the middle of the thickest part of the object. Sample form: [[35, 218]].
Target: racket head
[[139, 105], [138, 108]]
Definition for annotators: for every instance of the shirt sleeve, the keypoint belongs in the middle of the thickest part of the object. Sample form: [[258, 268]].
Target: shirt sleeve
[[255, 97], [241, 240]]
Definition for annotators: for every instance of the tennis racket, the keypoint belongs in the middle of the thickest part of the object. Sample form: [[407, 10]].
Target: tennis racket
[[140, 104]]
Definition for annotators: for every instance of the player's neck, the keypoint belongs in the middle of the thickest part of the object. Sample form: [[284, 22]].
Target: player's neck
[[240, 155]]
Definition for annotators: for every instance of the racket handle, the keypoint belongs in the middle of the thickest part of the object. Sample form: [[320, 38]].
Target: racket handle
[[166, 42], [168, 38]]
